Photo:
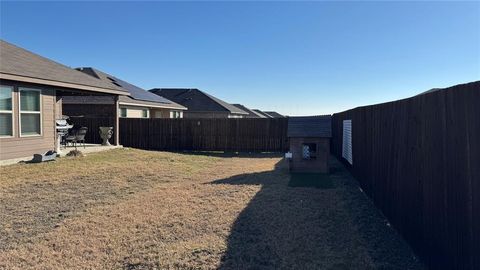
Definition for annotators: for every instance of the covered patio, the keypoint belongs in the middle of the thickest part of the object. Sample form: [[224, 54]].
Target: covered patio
[[31, 95], [99, 110]]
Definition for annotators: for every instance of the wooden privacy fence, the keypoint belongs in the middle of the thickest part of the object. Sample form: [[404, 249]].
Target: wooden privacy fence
[[419, 161], [241, 135]]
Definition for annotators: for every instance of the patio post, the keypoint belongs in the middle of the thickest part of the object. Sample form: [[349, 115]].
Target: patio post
[[116, 126]]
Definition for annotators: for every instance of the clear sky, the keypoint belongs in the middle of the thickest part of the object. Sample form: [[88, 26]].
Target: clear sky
[[297, 58]]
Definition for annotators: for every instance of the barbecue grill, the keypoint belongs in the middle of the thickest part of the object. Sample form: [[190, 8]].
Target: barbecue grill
[[62, 126]]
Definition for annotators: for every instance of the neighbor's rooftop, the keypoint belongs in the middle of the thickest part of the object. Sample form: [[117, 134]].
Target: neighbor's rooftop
[[138, 96], [197, 100]]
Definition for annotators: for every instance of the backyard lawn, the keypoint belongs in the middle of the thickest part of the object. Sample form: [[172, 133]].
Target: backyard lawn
[[134, 209]]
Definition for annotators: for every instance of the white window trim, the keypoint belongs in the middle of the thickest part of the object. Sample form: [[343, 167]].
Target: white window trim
[[20, 89], [10, 112], [176, 114], [148, 113]]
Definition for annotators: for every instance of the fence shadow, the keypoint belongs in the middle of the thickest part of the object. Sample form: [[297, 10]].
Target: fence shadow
[[231, 154], [296, 227]]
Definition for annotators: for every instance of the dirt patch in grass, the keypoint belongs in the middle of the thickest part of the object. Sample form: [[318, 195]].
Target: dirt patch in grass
[[132, 209]]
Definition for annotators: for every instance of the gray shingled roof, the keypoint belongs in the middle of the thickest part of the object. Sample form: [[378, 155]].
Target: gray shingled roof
[[251, 113], [228, 106], [137, 96], [20, 62], [196, 100], [310, 126], [262, 113], [274, 114]]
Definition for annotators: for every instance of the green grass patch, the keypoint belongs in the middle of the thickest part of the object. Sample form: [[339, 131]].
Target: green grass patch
[[316, 180]]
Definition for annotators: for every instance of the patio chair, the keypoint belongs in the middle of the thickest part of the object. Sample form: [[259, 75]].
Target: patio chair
[[70, 136], [76, 136]]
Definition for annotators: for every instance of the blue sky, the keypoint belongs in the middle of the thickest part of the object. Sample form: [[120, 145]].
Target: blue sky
[[298, 58]]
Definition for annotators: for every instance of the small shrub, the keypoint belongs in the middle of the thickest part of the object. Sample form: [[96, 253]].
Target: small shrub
[[75, 153]]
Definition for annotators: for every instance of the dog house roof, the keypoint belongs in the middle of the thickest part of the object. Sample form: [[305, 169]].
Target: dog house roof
[[310, 126]]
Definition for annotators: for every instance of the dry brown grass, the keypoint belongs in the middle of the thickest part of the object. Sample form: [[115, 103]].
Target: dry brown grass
[[133, 209]]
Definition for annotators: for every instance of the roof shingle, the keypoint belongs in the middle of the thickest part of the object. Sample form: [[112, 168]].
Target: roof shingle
[[197, 100], [274, 114], [251, 113], [310, 126], [20, 62], [262, 113]]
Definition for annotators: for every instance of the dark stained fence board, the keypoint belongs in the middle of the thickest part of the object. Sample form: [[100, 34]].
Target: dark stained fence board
[[419, 161], [238, 135]]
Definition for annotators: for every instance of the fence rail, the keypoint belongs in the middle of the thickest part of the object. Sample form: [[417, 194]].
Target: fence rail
[[419, 161]]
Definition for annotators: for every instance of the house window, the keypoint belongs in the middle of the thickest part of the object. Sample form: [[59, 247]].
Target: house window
[[30, 112], [123, 112], [176, 114], [6, 111], [309, 151], [145, 113]]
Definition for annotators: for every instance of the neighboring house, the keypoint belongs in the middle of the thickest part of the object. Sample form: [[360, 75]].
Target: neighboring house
[[251, 113], [309, 143], [273, 114], [200, 104], [262, 113], [140, 103], [31, 94]]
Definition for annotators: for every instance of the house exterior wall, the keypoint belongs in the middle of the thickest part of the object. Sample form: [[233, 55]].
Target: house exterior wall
[[160, 113], [20, 147], [58, 107], [318, 165], [236, 116], [165, 113], [105, 110], [192, 114], [135, 112]]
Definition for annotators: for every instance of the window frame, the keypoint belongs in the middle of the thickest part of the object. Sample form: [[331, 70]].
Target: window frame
[[146, 111], [11, 112], [176, 114], [20, 112], [126, 112]]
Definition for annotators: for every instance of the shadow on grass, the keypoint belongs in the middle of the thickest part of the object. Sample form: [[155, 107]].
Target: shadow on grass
[[310, 221], [223, 154], [316, 180]]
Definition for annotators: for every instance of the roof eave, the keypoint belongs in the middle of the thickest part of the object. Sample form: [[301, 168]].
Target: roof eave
[[242, 113], [153, 106], [12, 77]]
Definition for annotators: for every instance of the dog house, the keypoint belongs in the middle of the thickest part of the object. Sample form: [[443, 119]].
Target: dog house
[[309, 143]]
